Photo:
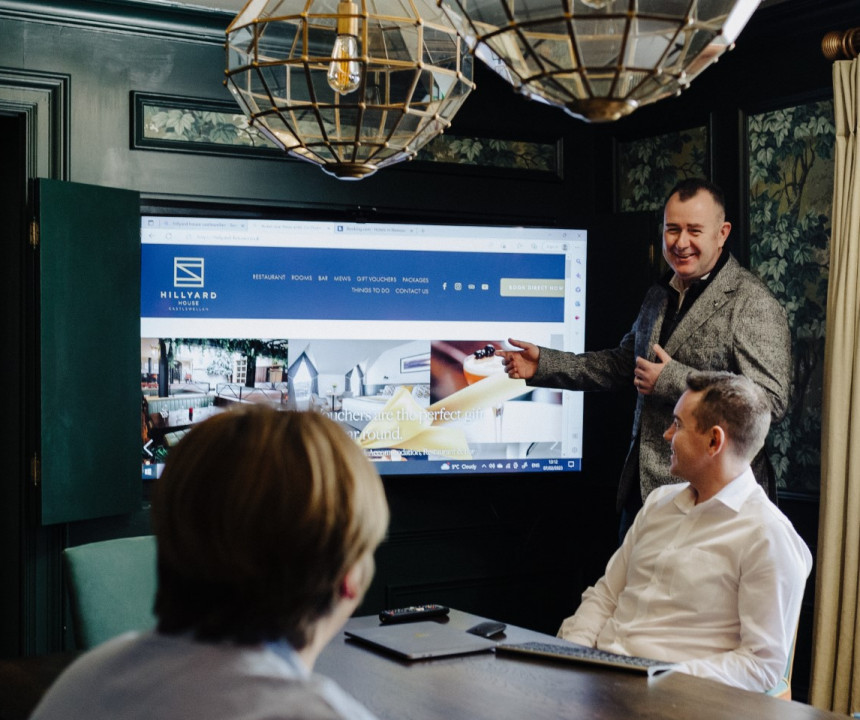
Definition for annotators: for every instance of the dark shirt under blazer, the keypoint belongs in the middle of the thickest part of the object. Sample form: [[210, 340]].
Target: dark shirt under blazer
[[735, 324]]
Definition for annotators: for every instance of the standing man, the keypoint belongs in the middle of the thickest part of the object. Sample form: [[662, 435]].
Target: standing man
[[711, 574], [708, 313]]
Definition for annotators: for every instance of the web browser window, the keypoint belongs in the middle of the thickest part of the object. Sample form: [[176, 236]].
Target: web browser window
[[393, 330]]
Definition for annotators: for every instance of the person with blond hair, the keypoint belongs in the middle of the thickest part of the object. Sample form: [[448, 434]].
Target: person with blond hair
[[266, 524]]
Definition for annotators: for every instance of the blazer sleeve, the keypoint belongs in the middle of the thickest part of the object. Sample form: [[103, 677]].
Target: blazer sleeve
[[595, 370], [610, 369]]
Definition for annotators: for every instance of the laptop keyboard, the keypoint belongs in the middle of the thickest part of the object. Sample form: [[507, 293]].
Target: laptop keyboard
[[578, 653]]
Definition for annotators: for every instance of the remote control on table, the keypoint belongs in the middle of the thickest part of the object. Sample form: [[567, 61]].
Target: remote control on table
[[412, 613]]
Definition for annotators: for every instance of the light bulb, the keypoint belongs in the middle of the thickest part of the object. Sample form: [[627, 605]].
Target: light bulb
[[344, 72]]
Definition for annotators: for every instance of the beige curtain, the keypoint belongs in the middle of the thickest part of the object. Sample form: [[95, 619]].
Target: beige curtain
[[836, 642]]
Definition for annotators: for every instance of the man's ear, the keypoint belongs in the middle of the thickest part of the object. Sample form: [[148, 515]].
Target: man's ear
[[349, 588], [353, 584], [725, 229], [718, 440]]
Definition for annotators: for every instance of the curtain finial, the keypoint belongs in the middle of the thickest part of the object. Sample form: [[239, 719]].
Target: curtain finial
[[841, 44]]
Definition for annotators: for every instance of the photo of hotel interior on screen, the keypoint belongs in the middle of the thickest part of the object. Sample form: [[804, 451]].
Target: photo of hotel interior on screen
[[443, 402]]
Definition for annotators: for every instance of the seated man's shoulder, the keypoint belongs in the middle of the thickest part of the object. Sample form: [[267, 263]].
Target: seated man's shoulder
[[774, 528], [761, 505]]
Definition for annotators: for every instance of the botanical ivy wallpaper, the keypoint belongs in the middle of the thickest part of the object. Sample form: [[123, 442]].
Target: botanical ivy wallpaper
[[649, 168], [791, 189], [174, 122], [487, 152], [198, 125]]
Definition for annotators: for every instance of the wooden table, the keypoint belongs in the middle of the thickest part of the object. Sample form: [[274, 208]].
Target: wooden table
[[478, 687], [487, 686], [23, 681]]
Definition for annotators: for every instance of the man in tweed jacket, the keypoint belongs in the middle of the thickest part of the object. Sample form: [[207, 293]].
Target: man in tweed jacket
[[709, 313]]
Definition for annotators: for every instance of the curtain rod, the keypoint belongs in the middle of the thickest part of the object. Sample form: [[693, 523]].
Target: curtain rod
[[841, 44]]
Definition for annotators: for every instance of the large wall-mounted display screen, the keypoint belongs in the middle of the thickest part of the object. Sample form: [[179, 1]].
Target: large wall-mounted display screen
[[391, 329]]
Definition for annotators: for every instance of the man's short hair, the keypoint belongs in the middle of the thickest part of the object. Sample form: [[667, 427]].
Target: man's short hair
[[736, 404], [259, 515], [689, 187]]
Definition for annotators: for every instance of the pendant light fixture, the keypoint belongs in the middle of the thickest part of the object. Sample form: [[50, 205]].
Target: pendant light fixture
[[599, 59], [351, 85]]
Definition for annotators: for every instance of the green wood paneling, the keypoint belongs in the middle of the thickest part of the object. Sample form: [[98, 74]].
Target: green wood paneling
[[89, 275]]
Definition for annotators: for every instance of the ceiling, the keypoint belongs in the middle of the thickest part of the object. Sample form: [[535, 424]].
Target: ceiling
[[234, 6]]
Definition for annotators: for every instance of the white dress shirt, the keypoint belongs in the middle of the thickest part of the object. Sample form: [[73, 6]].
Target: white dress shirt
[[143, 676], [715, 587]]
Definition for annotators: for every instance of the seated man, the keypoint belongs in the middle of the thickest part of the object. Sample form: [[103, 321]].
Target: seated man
[[711, 574], [266, 525]]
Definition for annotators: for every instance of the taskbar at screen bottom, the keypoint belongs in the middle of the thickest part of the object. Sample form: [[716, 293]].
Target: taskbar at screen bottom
[[416, 466]]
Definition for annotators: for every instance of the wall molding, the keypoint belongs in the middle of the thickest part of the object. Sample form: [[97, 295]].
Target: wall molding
[[43, 101], [44, 98], [190, 24]]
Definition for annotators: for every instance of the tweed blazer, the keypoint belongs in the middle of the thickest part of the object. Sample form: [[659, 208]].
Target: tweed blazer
[[736, 324]]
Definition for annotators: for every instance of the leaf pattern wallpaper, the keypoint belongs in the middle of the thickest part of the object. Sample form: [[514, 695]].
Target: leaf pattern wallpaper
[[175, 123], [193, 125], [791, 190], [650, 167], [512, 154]]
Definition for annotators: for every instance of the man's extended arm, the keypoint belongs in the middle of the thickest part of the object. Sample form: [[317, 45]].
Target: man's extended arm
[[610, 369]]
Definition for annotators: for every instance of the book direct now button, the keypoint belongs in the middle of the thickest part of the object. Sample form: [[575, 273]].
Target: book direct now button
[[532, 287]]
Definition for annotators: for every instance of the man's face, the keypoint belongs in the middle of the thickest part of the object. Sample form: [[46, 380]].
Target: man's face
[[694, 232], [689, 445]]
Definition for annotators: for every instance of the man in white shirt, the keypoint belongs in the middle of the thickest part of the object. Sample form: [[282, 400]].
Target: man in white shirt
[[266, 525], [711, 574]]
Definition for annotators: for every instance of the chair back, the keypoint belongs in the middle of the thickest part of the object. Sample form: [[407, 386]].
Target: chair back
[[782, 689], [111, 588]]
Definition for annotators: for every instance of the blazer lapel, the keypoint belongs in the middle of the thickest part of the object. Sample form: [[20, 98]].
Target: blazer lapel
[[711, 301], [653, 314]]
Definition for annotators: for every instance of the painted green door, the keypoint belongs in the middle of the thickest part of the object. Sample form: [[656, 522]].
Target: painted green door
[[89, 334]]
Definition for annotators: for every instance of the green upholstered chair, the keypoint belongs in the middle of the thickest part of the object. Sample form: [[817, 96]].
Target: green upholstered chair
[[111, 588], [782, 689]]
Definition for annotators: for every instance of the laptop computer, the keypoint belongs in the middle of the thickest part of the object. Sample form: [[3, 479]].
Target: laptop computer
[[421, 640]]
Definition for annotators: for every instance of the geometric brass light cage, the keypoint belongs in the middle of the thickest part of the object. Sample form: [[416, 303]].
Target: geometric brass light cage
[[352, 86], [599, 59]]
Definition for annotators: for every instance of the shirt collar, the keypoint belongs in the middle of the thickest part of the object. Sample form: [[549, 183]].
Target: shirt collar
[[675, 283], [732, 495], [671, 280], [737, 491], [287, 653]]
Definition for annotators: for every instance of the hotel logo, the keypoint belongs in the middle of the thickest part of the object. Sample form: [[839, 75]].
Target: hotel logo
[[188, 272]]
